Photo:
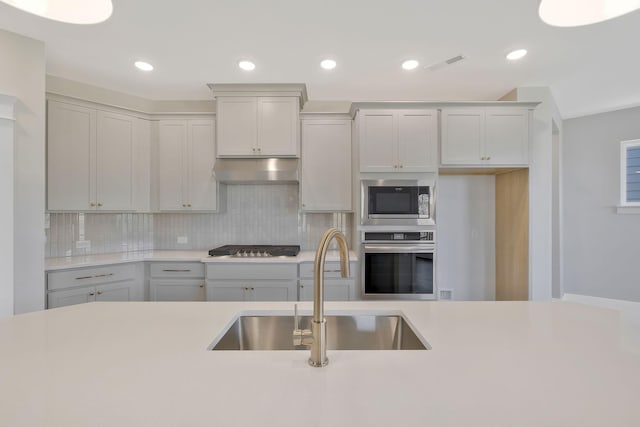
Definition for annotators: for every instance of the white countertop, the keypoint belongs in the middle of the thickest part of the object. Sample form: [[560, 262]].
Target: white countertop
[[52, 264], [492, 364]]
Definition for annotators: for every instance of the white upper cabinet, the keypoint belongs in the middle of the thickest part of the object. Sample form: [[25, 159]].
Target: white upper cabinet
[[258, 126], [326, 165], [398, 140], [485, 136], [186, 154], [96, 160]]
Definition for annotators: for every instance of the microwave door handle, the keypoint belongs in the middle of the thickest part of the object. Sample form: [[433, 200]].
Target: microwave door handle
[[404, 249]]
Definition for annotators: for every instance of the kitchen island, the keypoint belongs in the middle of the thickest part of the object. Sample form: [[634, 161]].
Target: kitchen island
[[491, 363]]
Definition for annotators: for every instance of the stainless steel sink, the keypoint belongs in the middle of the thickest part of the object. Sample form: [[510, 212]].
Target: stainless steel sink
[[344, 332]]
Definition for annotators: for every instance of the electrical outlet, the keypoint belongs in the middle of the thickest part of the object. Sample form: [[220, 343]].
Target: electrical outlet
[[83, 244], [183, 240], [446, 294]]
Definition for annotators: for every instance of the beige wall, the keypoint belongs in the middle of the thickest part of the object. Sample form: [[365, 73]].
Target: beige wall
[[22, 75]]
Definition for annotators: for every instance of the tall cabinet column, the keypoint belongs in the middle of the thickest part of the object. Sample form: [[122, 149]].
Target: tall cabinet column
[[6, 215]]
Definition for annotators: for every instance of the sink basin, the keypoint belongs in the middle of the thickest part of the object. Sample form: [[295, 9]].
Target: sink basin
[[344, 332]]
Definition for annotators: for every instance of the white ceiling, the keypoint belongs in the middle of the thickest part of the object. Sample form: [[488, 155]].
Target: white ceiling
[[193, 42]]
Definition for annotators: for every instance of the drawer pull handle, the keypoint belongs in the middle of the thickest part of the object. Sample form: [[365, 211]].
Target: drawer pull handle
[[176, 271], [91, 294], [93, 277]]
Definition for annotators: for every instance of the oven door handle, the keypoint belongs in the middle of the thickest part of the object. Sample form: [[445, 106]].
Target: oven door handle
[[403, 249]]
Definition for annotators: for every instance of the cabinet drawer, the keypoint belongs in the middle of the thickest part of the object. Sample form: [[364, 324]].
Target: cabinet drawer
[[245, 271], [90, 276], [331, 270], [177, 269]]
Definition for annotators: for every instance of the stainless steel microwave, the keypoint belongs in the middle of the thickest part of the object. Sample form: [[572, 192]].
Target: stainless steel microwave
[[397, 202]]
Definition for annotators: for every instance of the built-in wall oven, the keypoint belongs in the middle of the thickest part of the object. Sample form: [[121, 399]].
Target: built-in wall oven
[[398, 265], [401, 202]]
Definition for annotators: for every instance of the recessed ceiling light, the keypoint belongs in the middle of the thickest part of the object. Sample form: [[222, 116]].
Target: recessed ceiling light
[[516, 54], [246, 65], [144, 66], [573, 13], [328, 64], [410, 64], [69, 11]]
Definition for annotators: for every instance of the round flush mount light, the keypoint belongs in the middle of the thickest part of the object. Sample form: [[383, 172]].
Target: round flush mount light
[[328, 64], [410, 64], [144, 66], [69, 11], [574, 13], [246, 65], [516, 54]]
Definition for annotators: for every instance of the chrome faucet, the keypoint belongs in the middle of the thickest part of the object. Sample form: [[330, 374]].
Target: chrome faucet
[[317, 336]]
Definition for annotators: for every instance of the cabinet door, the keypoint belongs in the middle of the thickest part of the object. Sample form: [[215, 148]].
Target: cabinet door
[[115, 155], [120, 291], [378, 141], [237, 126], [70, 297], [172, 153], [227, 291], [334, 290], [417, 141], [202, 155], [326, 165], [177, 290], [71, 141], [462, 136], [274, 291], [507, 136], [278, 126]]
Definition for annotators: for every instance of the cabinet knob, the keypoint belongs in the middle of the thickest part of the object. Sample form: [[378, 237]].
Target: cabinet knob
[[202, 285], [91, 294], [189, 205], [92, 204], [488, 157], [99, 292], [253, 149], [99, 204], [395, 166], [184, 205], [483, 158], [401, 166]]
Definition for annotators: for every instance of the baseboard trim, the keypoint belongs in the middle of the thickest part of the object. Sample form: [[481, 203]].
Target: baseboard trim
[[615, 304]]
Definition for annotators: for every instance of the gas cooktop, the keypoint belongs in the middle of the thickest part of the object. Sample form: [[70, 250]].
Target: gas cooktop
[[255, 250]]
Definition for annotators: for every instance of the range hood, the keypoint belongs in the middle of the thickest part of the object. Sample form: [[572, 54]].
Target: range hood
[[256, 171]]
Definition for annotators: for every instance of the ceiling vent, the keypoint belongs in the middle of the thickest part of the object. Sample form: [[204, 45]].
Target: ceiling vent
[[445, 63]]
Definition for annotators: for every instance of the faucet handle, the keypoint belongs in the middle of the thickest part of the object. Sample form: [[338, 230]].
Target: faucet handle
[[300, 336]]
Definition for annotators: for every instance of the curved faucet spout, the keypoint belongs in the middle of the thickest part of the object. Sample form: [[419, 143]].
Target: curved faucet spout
[[318, 324]]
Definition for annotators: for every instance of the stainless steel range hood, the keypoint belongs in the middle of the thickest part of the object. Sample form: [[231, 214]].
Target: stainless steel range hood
[[256, 171]]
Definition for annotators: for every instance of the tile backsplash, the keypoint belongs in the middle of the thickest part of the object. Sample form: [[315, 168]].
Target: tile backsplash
[[255, 214]]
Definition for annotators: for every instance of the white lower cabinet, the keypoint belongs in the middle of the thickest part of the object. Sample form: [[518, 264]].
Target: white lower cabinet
[[336, 288], [106, 283], [256, 282], [263, 290], [176, 281]]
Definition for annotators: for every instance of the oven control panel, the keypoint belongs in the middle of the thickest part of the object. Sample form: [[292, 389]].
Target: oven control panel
[[399, 236]]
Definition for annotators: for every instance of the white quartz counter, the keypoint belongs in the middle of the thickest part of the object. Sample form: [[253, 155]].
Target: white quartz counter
[[52, 264], [492, 364]]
